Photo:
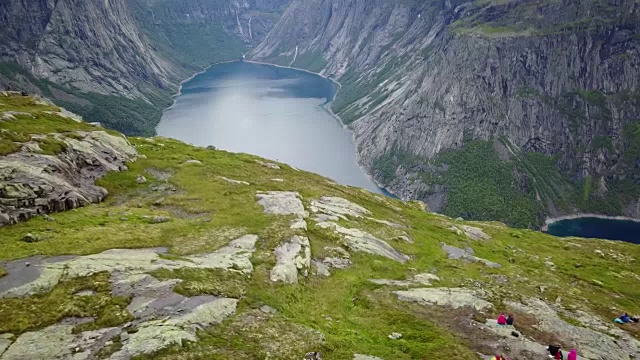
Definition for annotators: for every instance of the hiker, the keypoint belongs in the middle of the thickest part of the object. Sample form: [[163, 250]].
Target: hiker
[[623, 319], [510, 320], [635, 318], [573, 355], [554, 352], [502, 320]]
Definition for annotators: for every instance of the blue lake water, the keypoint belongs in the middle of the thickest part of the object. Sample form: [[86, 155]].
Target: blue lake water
[[590, 227], [267, 111]]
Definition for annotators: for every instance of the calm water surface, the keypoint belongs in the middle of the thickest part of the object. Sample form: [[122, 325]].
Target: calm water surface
[[622, 230], [268, 111]]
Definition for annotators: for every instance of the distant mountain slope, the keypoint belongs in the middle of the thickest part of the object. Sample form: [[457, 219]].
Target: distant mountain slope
[[508, 110], [120, 60]]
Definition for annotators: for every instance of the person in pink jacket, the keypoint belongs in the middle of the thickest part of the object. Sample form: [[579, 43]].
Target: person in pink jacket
[[502, 320], [573, 355]]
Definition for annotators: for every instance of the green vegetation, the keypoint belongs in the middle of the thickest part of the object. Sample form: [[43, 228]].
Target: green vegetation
[[351, 314], [129, 116], [194, 44], [481, 186], [35, 312], [594, 97], [602, 142], [510, 18], [205, 282], [312, 61], [7, 147], [51, 146], [386, 165], [527, 92], [29, 118]]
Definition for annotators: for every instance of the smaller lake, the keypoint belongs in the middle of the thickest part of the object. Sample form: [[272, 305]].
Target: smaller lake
[[276, 113], [590, 227]]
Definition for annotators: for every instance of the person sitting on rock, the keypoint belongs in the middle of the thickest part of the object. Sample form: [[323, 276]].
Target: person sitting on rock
[[573, 355], [625, 318], [502, 320], [554, 352], [510, 320]]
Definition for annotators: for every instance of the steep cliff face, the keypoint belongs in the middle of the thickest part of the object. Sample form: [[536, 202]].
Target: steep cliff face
[[509, 110], [118, 61], [89, 45]]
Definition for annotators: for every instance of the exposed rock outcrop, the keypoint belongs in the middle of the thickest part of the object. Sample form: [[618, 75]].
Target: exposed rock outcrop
[[449, 297], [358, 240], [418, 279], [32, 184], [292, 257], [46, 273], [282, 203], [468, 255]]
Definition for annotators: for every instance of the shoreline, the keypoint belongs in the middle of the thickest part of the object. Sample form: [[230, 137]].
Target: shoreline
[[179, 92], [327, 108], [548, 221]]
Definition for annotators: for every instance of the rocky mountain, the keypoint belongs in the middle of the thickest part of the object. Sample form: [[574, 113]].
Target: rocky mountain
[[510, 110], [119, 61], [194, 253]]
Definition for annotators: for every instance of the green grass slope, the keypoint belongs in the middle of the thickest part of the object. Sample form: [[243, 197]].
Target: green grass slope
[[206, 212]]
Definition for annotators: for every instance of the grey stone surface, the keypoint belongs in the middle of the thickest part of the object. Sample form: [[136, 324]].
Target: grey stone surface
[[234, 182], [282, 203], [592, 344], [467, 255], [269, 165], [43, 276], [292, 257], [358, 240], [449, 297], [33, 184]]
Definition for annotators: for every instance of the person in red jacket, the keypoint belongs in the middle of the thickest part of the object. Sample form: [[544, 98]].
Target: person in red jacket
[[502, 320]]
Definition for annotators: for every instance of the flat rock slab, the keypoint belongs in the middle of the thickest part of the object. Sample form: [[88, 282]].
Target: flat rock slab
[[282, 203], [338, 207], [471, 232], [236, 255], [450, 297], [468, 255], [419, 279], [358, 240], [336, 258], [58, 342], [269, 165], [519, 347], [153, 336], [19, 274], [234, 182], [292, 256]]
